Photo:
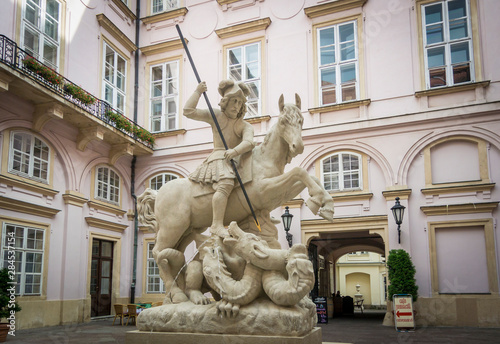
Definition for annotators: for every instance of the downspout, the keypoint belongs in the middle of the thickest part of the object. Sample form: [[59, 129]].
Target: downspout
[[134, 159]]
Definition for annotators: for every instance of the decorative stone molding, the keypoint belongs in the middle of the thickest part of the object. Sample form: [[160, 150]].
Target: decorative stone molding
[[130, 215], [458, 188], [117, 34], [120, 150], [452, 89], [86, 135], [124, 8], [109, 208], [241, 29], [26, 207], [341, 106], [294, 203], [332, 7], [169, 133], [259, 119], [5, 80], [38, 188], [74, 198], [390, 195], [162, 47], [181, 12], [44, 113], [354, 196], [466, 208], [99, 223]]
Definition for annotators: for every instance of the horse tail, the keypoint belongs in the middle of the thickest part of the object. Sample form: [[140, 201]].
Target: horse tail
[[146, 209]]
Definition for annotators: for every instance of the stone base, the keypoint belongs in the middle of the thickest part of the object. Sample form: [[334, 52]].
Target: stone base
[[145, 337]]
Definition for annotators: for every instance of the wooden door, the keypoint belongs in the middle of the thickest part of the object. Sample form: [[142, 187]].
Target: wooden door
[[100, 277]]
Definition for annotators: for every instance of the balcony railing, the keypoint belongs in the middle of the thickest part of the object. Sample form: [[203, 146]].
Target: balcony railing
[[21, 61]]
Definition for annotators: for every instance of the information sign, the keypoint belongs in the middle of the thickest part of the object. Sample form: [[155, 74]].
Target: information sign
[[321, 310], [403, 312]]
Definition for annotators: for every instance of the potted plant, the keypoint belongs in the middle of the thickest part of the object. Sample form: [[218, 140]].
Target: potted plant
[[78, 93], [401, 278], [8, 306], [45, 72]]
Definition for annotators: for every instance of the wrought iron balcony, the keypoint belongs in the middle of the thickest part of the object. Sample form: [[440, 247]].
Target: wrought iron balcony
[[24, 66]]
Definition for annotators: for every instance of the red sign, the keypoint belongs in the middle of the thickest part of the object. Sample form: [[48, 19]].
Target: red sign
[[403, 312]]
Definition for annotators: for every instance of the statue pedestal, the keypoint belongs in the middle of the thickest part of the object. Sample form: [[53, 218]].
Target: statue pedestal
[[145, 337]]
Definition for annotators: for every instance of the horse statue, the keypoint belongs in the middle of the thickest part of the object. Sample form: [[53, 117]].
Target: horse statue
[[178, 214]]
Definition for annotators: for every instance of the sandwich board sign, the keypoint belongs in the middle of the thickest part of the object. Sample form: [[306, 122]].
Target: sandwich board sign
[[403, 312]]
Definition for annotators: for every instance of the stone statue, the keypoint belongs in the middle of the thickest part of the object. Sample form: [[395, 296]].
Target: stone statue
[[259, 287], [216, 169]]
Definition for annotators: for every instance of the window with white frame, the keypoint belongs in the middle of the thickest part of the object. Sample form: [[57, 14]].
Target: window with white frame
[[23, 249], [164, 96], [447, 43], [29, 157], [154, 284], [341, 172], [40, 29], [107, 185], [114, 78], [338, 63], [159, 6], [158, 181], [244, 65]]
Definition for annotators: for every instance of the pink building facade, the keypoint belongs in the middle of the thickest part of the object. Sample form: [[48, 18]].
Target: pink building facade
[[400, 99]]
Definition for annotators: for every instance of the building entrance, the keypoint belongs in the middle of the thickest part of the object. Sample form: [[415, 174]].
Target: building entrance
[[101, 277]]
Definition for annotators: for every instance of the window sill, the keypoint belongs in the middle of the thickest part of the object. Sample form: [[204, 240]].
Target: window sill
[[454, 209], [452, 89], [169, 133], [30, 185], [156, 18], [351, 196], [258, 119], [332, 7], [341, 106], [107, 207], [27, 208], [454, 188]]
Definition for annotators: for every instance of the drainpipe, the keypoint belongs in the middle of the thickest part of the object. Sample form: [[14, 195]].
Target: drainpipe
[[134, 159]]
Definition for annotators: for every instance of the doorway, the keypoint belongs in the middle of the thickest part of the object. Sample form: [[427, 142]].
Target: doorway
[[101, 277]]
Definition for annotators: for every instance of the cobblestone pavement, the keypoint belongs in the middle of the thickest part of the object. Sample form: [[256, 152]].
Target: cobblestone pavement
[[360, 328]]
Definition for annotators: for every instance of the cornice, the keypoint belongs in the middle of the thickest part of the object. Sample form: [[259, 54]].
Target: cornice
[[390, 195], [26, 207], [162, 47], [332, 7], [38, 188], [344, 223], [466, 208], [341, 106], [241, 29], [117, 34], [294, 203], [165, 16], [74, 198], [99, 223], [124, 8], [452, 89]]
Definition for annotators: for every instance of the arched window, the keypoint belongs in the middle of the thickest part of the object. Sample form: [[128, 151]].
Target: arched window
[[159, 180], [29, 157], [342, 172], [107, 185]]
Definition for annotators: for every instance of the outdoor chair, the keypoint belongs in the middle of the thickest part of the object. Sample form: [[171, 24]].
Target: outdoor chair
[[359, 304], [132, 313], [120, 311]]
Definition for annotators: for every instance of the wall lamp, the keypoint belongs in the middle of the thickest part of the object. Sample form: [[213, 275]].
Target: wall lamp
[[398, 211], [287, 221]]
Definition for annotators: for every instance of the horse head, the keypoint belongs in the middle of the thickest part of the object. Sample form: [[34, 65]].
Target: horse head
[[290, 126]]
